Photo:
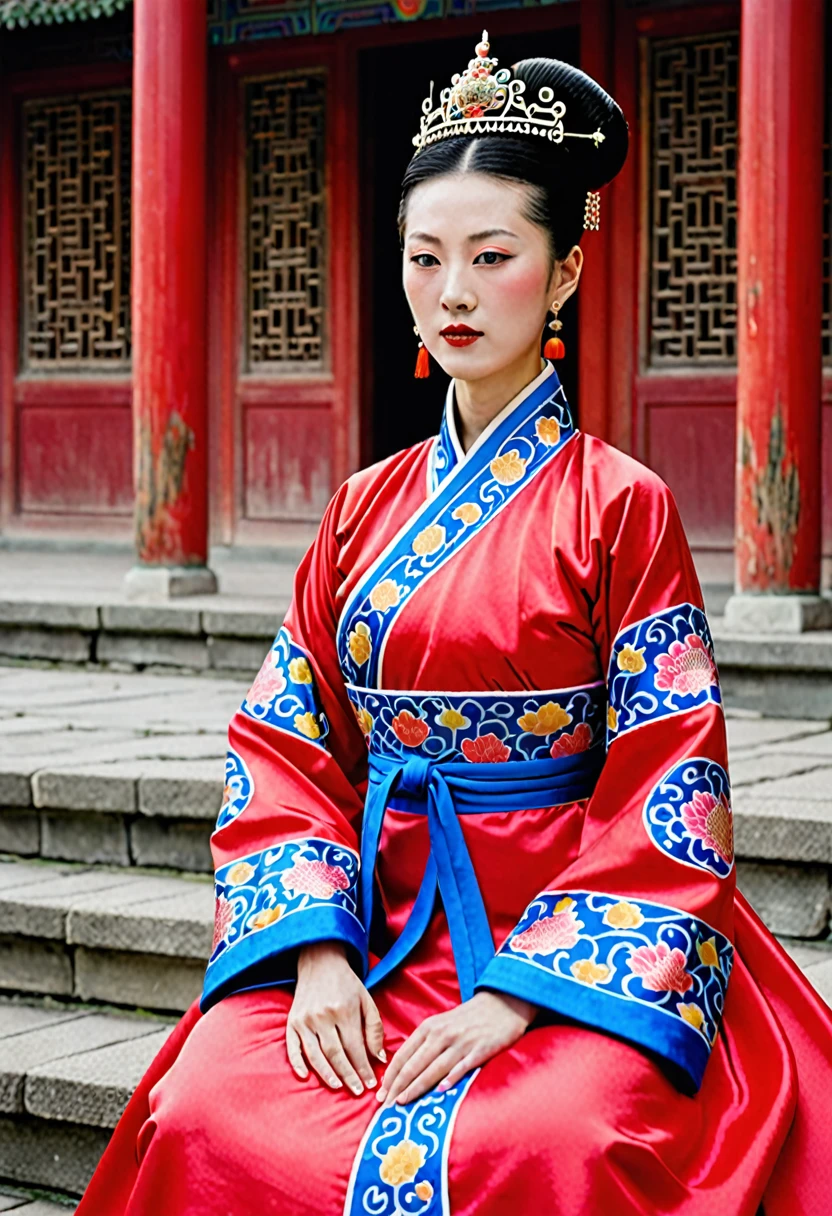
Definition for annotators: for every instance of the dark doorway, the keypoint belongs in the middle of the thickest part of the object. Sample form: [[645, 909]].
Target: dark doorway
[[394, 81]]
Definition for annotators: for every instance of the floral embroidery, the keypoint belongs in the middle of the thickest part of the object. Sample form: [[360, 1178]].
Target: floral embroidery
[[360, 644], [271, 700], [299, 671], [661, 969], [483, 728], [569, 745], [485, 749], [402, 1162], [631, 949], [548, 430], [612, 719], [384, 595], [429, 540], [305, 874], [412, 731], [509, 468], [549, 718], [467, 513], [687, 668], [688, 816], [424, 1190], [631, 660], [238, 791], [661, 666]]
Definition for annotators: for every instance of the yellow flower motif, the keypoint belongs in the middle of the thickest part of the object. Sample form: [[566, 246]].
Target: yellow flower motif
[[300, 671], [240, 873], [453, 719], [612, 718], [365, 720], [549, 718], [268, 916], [468, 513], [424, 1190], [509, 468], [384, 595], [691, 1013], [402, 1162], [359, 643], [565, 905], [623, 916], [708, 953], [630, 659], [548, 431], [590, 973], [429, 540], [307, 724]]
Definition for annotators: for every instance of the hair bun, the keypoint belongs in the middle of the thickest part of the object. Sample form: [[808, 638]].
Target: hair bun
[[588, 108]]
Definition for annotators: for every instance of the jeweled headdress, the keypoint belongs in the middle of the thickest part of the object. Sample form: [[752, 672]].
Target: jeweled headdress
[[484, 99]]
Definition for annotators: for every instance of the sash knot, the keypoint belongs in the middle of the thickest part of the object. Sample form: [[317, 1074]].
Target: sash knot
[[414, 776]]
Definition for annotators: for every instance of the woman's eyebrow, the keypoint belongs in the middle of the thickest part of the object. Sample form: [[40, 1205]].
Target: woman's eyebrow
[[474, 236]]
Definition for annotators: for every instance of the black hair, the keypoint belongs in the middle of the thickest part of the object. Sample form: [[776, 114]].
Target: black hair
[[561, 173]]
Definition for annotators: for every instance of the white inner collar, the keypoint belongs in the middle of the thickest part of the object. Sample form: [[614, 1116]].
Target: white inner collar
[[547, 369]]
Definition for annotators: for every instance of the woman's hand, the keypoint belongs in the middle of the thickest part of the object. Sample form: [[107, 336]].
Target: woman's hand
[[448, 1045], [333, 1021]]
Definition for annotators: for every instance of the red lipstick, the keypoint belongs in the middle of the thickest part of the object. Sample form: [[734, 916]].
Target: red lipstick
[[460, 335]]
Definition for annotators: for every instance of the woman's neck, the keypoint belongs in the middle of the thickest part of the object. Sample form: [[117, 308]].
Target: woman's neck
[[478, 402]]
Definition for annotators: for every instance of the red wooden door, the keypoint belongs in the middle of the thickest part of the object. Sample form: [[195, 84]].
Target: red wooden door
[[283, 265]]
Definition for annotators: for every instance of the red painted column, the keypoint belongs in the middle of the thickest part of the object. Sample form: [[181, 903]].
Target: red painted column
[[778, 522], [169, 297]]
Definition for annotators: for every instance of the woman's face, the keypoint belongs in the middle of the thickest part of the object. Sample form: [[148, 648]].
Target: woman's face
[[471, 260]]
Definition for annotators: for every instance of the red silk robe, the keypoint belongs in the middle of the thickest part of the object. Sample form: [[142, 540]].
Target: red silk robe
[[487, 751]]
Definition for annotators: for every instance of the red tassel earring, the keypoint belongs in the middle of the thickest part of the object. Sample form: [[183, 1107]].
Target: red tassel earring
[[554, 348], [422, 359]]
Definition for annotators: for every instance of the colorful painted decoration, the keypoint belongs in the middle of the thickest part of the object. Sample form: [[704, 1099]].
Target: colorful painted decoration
[[283, 694], [239, 789], [688, 816], [661, 666]]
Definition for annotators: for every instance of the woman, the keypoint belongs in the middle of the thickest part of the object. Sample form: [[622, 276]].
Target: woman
[[475, 884]]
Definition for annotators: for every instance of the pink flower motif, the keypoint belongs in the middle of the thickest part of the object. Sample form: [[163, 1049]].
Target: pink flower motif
[[550, 933], [268, 683], [660, 968], [578, 741], [485, 749], [687, 668], [410, 730], [710, 820], [314, 878], [223, 920]]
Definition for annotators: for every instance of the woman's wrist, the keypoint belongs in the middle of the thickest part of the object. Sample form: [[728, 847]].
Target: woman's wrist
[[524, 1009], [316, 953]]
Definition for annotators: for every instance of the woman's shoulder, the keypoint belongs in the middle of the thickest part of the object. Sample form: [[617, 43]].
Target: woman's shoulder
[[611, 474], [381, 482]]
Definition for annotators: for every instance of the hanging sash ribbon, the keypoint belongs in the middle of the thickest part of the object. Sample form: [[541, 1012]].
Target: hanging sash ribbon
[[443, 791]]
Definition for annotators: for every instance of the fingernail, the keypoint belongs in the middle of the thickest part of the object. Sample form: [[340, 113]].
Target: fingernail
[[357, 1088], [443, 1085], [371, 1083], [381, 1095], [382, 1055], [334, 1081]]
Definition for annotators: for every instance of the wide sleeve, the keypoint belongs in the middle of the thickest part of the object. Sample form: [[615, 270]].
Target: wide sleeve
[[285, 847], [633, 935]]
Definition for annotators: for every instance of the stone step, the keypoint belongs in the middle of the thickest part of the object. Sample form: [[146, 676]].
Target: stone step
[[65, 1077], [776, 674], [25, 1205], [79, 933]]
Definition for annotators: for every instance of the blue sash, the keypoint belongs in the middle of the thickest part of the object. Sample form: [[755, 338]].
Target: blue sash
[[442, 791]]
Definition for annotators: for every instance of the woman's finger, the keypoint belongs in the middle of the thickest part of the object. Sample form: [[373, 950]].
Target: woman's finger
[[317, 1059], [418, 1062], [458, 1071], [333, 1049], [293, 1050], [429, 1077], [408, 1047], [351, 1034], [373, 1027]]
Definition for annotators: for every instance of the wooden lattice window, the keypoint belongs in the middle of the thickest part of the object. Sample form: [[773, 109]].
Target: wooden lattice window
[[286, 285], [75, 284], [693, 201]]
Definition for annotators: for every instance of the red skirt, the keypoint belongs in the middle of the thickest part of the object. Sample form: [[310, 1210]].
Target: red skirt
[[568, 1121]]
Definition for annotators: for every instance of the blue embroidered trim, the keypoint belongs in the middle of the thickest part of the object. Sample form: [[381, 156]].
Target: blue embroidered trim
[[259, 899], [688, 816], [284, 695], [661, 666], [410, 1143], [642, 970], [481, 727], [239, 789], [520, 445], [443, 457]]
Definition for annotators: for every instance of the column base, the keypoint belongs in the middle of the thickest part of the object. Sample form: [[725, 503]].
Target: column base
[[777, 613], [169, 582]]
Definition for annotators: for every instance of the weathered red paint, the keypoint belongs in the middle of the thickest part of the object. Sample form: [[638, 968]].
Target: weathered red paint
[[169, 282], [778, 520]]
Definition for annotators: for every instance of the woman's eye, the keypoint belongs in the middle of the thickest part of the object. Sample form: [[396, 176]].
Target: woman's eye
[[417, 259], [492, 255]]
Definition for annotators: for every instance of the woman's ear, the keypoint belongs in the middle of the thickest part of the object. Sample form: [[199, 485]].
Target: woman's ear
[[567, 273]]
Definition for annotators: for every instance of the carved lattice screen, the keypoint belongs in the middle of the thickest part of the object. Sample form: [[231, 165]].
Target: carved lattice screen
[[76, 241], [286, 286], [693, 223]]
